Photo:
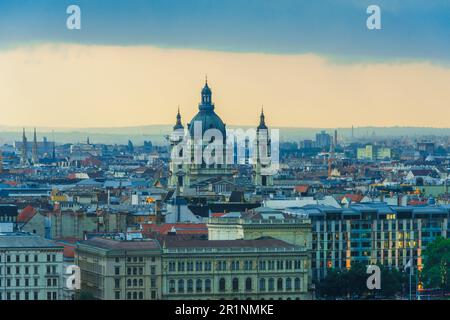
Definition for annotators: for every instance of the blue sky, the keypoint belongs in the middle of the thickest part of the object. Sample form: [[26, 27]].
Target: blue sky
[[412, 29]]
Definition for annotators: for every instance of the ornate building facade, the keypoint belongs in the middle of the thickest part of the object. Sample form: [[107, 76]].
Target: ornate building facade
[[201, 132]]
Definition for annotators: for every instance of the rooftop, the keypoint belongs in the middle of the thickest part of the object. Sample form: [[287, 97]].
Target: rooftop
[[25, 240]]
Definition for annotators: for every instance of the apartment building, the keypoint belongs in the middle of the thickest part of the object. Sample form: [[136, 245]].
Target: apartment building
[[174, 268], [265, 268], [120, 270], [373, 233], [31, 268]]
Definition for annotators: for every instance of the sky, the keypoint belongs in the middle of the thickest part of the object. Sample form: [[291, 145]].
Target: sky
[[309, 63]]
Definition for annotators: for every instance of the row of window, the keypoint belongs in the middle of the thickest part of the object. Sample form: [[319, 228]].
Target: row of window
[[135, 283], [17, 269], [270, 284], [51, 282], [135, 259], [27, 295], [235, 265], [134, 295], [27, 258], [135, 270]]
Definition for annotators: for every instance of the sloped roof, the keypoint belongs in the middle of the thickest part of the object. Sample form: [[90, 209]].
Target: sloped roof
[[26, 214]]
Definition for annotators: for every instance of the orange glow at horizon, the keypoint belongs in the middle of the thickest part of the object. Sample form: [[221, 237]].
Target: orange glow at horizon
[[63, 85]]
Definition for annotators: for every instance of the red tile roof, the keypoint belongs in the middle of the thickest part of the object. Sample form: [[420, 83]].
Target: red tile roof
[[26, 214], [301, 188], [354, 197]]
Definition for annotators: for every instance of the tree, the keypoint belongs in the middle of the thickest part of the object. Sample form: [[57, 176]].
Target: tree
[[392, 282], [352, 283], [437, 264], [85, 295]]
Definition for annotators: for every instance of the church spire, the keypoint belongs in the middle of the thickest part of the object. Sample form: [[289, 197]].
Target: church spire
[[262, 120], [206, 103], [178, 124], [24, 155], [34, 149]]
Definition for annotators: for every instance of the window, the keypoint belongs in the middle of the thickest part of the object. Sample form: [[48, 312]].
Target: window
[[235, 284], [208, 285], [141, 295], [271, 284], [297, 284], [208, 266], [134, 282], [198, 285], [248, 284], [198, 266], [222, 284], [117, 295], [222, 265], [172, 286], [152, 270], [135, 295], [117, 270], [190, 266], [190, 285], [172, 266], [279, 284], [129, 283], [262, 284], [129, 295], [181, 285], [288, 284], [117, 283], [117, 259], [141, 283]]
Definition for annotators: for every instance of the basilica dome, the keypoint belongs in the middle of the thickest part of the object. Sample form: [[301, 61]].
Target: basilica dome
[[206, 115]]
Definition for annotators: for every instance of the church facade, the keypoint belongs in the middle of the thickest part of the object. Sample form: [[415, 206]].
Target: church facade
[[189, 165]]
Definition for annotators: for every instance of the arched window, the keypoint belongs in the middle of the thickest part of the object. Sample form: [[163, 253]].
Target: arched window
[[190, 285], [172, 286], [207, 285], [129, 295], [181, 285], [288, 284], [141, 295], [280, 284], [134, 282], [222, 284], [271, 284], [135, 295], [198, 285], [235, 284], [129, 282], [141, 283], [248, 284], [262, 284], [297, 284]]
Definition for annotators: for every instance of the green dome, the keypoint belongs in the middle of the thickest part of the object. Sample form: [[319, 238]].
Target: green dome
[[206, 115]]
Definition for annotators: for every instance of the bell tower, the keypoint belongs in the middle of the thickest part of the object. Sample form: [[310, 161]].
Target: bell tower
[[262, 177]]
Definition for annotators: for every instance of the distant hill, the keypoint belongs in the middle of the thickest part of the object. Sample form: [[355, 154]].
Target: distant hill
[[156, 133]]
